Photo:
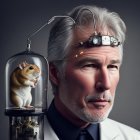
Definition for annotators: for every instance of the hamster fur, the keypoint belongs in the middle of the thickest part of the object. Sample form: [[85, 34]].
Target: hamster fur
[[22, 80]]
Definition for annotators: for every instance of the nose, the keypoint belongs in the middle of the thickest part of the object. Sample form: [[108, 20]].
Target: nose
[[103, 80]]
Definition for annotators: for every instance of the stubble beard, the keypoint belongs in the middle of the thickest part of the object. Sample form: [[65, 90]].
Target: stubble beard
[[85, 115]]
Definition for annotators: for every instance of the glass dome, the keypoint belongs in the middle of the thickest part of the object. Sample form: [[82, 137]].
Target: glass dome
[[26, 84]]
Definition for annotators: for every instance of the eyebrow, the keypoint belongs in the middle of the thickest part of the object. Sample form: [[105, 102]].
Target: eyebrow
[[94, 60], [115, 61]]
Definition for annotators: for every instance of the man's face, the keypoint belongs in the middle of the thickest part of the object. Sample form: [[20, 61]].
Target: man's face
[[88, 86]]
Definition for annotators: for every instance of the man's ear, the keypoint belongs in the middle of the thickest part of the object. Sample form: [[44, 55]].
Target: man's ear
[[53, 74]]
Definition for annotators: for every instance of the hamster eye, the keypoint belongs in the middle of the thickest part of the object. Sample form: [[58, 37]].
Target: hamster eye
[[30, 68]]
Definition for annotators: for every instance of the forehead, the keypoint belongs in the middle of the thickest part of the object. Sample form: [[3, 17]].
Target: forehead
[[103, 54]]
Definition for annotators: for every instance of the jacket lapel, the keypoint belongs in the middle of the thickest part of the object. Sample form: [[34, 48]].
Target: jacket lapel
[[108, 131], [49, 134]]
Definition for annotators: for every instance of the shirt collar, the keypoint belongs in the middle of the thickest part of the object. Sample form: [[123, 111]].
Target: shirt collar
[[65, 129]]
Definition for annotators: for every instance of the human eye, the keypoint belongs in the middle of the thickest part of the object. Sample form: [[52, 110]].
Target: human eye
[[89, 66], [113, 67]]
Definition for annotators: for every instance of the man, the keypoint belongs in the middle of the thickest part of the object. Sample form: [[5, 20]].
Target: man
[[85, 51]]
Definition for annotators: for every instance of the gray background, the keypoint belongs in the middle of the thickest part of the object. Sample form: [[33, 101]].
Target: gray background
[[19, 18]]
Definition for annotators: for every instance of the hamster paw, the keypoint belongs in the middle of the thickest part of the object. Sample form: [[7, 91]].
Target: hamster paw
[[29, 107]]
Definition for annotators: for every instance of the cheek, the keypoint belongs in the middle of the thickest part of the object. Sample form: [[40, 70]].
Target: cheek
[[80, 81], [77, 85], [117, 79], [115, 82]]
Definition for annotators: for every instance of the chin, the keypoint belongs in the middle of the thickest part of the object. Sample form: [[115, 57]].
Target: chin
[[95, 117]]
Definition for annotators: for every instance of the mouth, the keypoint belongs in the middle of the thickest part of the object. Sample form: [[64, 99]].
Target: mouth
[[99, 103]]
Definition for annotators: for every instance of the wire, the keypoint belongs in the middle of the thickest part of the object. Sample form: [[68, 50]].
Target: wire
[[49, 22]]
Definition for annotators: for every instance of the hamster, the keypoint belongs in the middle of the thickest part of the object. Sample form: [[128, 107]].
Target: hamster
[[22, 80]]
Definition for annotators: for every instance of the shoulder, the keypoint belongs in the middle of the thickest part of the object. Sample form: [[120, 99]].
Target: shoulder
[[123, 127], [126, 132]]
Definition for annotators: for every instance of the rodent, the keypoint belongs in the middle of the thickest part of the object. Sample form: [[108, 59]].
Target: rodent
[[22, 80]]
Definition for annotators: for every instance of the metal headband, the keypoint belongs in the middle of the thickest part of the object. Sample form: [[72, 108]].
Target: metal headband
[[100, 40]]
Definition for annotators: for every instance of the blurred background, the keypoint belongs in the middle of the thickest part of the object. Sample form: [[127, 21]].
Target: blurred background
[[19, 18]]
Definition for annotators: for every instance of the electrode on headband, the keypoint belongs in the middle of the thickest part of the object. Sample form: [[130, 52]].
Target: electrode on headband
[[100, 40]]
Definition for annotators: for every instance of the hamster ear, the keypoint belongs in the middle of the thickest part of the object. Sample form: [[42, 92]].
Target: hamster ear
[[53, 74], [24, 64], [20, 66]]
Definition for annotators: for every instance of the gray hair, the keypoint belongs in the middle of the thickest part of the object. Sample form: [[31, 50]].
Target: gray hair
[[61, 34]]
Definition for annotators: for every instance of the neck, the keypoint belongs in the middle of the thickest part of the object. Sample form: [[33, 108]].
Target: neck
[[66, 113]]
